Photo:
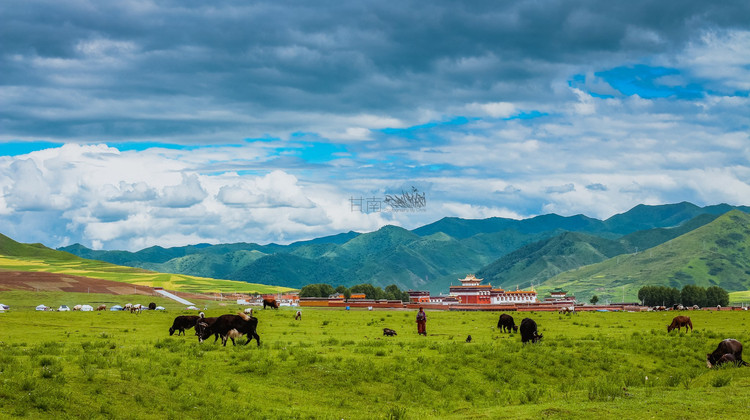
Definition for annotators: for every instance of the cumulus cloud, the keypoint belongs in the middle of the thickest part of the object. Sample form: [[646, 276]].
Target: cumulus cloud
[[560, 189], [28, 191], [596, 187], [176, 133], [185, 194]]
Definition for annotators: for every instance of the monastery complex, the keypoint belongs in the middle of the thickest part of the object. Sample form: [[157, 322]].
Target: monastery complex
[[470, 291]]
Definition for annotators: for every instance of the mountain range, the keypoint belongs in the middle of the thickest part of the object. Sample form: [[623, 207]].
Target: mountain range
[[541, 252]]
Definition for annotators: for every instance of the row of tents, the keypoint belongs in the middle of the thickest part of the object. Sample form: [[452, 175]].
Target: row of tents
[[86, 308]]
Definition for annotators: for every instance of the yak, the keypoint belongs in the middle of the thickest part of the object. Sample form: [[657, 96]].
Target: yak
[[270, 302], [389, 332], [244, 324], [680, 321], [506, 322], [729, 350], [182, 323], [528, 331]]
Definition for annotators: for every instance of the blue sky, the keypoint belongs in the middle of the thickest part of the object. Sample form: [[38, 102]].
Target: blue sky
[[134, 124]]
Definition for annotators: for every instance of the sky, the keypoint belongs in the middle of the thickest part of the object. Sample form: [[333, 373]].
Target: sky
[[129, 124]]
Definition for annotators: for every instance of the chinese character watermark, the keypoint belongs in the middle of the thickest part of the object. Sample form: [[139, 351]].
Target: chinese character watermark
[[413, 201]]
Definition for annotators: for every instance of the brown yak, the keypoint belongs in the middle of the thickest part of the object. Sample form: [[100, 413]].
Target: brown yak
[[679, 322], [728, 351]]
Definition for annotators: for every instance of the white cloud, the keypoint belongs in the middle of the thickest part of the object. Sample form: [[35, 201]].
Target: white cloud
[[502, 128], [494, 109], [189, 192]]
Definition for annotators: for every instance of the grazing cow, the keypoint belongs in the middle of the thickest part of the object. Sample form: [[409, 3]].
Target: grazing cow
[[222, 325], [152, 306], [389, 332], [567, 310], [127, 307], [528, 331], [182, 323], [679, 322], [506, 323], [249, 311], [298, 315], [270, 302], [136, 308], [77, 307], [468, 339], [727, 350], [101, 308]]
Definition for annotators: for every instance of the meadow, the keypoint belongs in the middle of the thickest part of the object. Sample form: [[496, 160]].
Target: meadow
[[336, 364]]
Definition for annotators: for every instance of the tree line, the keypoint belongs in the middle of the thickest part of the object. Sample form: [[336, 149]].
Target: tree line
[[689, 295], [391, 292]]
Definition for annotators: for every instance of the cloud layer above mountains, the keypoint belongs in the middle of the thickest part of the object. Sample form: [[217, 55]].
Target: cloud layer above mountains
[[142, 123]]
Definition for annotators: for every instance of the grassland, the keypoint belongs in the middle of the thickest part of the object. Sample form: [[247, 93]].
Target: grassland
[[739, 298], [336, 364], [101, 270]]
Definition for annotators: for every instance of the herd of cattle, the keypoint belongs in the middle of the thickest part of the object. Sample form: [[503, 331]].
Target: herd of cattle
[[728, 351], [230, 327]]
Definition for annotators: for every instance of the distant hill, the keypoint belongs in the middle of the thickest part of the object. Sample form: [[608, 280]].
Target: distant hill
[[535, 263], [24, 266], [465, 228], [539, 261], [433, 256], [11, 248], [643, 217], [713, 254]]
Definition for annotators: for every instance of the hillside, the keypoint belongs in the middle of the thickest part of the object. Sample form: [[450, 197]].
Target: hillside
[[23, 263], [430, 257], [11, 248], [713, 254], [535, 263]]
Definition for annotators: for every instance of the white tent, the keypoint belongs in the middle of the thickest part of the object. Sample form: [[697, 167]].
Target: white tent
[[63, 308], [41, 308], [192, 308], [87, 308], [159, 308], [116, 308], [4, 306]]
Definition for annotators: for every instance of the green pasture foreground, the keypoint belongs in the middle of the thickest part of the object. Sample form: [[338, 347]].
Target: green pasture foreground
[[336, 364]]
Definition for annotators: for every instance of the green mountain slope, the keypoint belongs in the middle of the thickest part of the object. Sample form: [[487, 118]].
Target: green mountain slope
[[430, 257], [714, 254], [537, 262], [12, 248], [287, 270], [15, 256], [465, 228]]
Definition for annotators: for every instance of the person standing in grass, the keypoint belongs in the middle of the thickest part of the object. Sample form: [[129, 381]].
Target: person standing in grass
[[421, 322]]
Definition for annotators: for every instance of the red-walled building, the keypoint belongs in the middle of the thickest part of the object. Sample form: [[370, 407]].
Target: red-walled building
[[472, 292]]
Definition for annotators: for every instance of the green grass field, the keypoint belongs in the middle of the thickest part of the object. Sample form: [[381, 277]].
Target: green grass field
[[336, 364]]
